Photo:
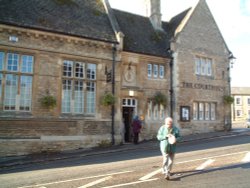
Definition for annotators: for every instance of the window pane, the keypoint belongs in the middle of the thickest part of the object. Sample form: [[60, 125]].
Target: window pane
[[195, 111], [149, 70], [209, 67], [197, 65], [91, 97], [203, 66], [207, 111], [201, 111], [79, 97], [68, 68], [213, 110], [155, 71], [161, 71], [150, 109], [156, 111], [10, 92], [66, 96], [79, 70], [12, 62], [91, 71], [27, 64], [26, 93], [1, 61]]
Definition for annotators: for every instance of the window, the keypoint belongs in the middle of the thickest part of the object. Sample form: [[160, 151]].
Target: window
[[156, 112], [78, 87], [204, 111], [149, 70], [16, 77], [238, 101], [201, 111], [203, 66], [195, 111], [161, 73], [156, 71], [207, 111], [238, 113], [150, 109]]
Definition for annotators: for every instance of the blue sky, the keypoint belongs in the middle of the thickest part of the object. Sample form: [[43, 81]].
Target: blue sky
[[231, 16]]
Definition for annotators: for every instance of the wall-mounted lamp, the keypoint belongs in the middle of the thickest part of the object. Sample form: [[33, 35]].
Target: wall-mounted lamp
[[131, 93], [231, 59]]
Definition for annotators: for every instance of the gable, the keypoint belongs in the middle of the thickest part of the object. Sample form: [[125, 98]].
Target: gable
[[201, 31]]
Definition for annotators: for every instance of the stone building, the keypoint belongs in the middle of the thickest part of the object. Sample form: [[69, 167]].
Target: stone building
[[78, 51], [241, 105]]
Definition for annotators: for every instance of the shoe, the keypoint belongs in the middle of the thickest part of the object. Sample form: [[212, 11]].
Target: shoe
[[166, 177]]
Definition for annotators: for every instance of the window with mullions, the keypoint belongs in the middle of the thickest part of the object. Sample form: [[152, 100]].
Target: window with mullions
[[156, 71], [16, 76], [204, 111], [78, 87], [203, 66]]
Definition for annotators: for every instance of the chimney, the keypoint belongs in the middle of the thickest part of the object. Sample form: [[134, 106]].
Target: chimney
[[154, 11]]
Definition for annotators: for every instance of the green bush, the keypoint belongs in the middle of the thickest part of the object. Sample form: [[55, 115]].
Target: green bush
[[228, 99], [160, 98], [108, 99], [48, 101]]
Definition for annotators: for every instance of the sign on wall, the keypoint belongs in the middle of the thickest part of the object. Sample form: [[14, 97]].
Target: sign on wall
[[185, 113]]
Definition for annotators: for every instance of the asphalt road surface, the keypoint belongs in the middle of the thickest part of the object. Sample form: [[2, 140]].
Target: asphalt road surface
[[220, 162]]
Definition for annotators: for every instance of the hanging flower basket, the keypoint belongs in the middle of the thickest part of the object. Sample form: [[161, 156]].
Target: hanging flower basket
[[108, 99], [160, 99], [48, 101], [228, 99]]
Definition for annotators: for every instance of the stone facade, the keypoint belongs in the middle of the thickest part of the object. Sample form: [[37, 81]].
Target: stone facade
[[143, 69], [241, 105], [200, 37]]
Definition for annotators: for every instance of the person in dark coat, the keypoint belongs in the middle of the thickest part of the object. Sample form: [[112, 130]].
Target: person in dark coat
[[136, 125]]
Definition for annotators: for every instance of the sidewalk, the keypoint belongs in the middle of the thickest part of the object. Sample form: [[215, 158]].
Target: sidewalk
[[7, 162]]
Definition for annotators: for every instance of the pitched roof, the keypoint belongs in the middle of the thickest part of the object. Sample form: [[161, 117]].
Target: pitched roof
[[240, 90], [176, 21], [140, 36], [80, 18]]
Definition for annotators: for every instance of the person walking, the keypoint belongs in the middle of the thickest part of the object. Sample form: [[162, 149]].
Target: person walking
[[168, 135], [136, 124]]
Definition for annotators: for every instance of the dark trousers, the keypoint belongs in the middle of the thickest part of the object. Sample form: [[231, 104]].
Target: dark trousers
[[136, 138]]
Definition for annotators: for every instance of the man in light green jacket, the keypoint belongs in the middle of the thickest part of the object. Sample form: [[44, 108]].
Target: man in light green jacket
[[168, 149]]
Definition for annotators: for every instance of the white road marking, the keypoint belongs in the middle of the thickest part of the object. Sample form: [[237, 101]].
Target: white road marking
[[205, 164], [70, 180], [148, 176], [246, 158], [131, 183], [96, 182], [217, 156]]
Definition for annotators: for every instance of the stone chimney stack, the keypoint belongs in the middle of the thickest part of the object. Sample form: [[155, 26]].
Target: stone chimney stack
[[154, 13]]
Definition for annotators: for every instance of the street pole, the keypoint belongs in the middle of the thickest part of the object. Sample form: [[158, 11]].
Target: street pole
[[113, 92]]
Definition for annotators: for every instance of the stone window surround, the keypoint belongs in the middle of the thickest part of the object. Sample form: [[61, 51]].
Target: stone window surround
[[89, 82], [155, 74], [23, 71]]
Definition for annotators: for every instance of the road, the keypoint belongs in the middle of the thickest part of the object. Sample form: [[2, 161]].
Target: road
[[220, 162]]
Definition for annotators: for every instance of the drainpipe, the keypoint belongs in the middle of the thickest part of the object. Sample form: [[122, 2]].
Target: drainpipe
[[113, 92], [171, 91]]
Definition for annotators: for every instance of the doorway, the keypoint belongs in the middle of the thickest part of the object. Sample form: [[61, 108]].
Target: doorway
[[127, 114]]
